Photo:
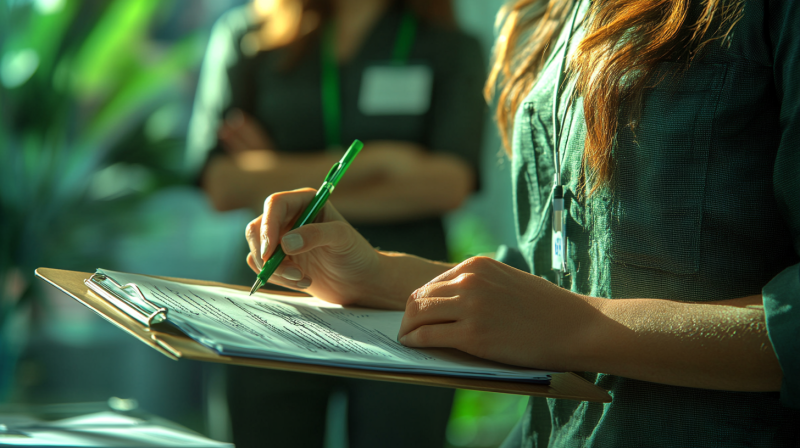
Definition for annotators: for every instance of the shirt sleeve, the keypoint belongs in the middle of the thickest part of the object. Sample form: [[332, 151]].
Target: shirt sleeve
[[458, 108], [217, 89], [512, 257], [782, 309], [782, 294]]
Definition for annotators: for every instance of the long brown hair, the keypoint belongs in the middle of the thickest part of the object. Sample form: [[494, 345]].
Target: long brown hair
[[613, 64], [286, 23]]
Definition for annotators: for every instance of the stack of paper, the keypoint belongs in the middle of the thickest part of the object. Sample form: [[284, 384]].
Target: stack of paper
[[307, 330]]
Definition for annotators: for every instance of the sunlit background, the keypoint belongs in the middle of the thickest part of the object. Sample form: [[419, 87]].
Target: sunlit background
[[95, 97]]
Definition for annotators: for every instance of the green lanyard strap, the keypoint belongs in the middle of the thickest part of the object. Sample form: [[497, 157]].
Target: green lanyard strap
[[331, 101], [331, 90], [405, 39]]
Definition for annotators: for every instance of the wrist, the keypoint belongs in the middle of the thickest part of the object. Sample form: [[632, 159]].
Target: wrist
[[587, 341], [401, 274]]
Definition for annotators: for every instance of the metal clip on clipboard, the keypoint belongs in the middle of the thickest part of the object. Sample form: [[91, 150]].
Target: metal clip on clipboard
[[128, 299]]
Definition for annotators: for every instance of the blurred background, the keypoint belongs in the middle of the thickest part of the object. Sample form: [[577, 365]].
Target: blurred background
[[95, 101]]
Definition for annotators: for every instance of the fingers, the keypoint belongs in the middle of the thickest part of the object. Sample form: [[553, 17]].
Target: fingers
[[291, 284], [444, 300], [230, 143], [421, 311], [451, 287], [447, 275], [470, 265], [229, 133], [252, 134], [440, 335], [240, 132], [288, 274], [253, 237], [336, 235], [280, 212], [438, 302], [286, 270], [289, 271], [251, 261]]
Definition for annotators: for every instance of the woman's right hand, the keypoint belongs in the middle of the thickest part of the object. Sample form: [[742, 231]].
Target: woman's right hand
[[328, 258]]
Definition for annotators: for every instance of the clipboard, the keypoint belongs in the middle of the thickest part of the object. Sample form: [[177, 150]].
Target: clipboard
[[125, 307]]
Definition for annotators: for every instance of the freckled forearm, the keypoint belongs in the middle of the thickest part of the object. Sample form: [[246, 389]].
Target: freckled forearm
[[721, 345]]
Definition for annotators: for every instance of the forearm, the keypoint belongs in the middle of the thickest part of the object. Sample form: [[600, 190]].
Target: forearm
[[404, 273], [232, 183], [722, 345], [437, 184], [388, 182], [245, 181]]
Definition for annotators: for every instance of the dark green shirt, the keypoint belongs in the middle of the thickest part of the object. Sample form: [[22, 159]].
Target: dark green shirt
[[705, 205], [287, 103], [782, 307]]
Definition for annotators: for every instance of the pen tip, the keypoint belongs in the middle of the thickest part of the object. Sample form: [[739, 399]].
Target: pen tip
[[255, 287]]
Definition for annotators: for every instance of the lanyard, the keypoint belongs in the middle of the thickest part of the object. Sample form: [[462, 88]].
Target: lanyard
[[331, 87], [558, 130], [559, 239]]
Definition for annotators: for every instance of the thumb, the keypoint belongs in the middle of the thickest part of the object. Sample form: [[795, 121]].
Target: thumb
[[337, 236]]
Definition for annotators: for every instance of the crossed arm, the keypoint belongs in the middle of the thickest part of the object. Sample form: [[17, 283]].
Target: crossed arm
[[390, 181]]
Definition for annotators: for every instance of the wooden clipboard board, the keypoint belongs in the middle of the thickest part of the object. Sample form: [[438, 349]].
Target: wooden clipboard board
[[176, 345]]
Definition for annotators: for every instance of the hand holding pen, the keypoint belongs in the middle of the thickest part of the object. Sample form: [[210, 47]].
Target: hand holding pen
[[326, 257]]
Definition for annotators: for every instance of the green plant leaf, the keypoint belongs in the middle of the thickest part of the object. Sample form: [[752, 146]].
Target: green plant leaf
[[111, 47]]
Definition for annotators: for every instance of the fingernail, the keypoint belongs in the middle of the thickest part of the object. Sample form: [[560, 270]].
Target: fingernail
[[292, 274], [259, 263], [292, 242], [264, 245], [304, 283], [402, 340]]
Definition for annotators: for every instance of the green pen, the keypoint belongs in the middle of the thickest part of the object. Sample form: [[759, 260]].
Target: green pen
[[308, 215]]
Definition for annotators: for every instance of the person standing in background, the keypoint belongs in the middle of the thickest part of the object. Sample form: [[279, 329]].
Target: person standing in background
[[285, 85]]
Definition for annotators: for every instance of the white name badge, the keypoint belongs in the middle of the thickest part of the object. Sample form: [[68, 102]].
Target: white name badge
[[559, 236], [395, 90]]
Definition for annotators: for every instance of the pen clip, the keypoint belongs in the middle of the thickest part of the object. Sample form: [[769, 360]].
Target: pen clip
[[332, 172]]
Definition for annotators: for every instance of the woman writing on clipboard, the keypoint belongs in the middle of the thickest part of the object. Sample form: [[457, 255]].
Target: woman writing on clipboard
[[655, 149], [285, 85]]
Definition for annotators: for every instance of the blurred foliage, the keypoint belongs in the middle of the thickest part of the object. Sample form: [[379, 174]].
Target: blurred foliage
[[90, 116], [87, 131], [468, 236], [483, 419]]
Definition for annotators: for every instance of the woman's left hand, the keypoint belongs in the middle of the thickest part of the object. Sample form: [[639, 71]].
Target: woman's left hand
[[493, 311]]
